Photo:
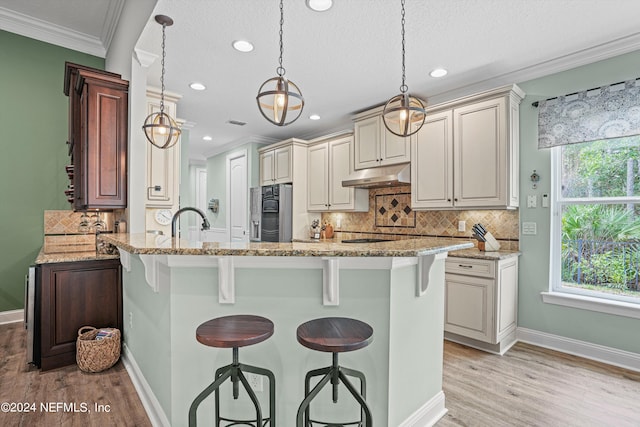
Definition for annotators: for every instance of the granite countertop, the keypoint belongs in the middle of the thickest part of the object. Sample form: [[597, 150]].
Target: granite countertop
[[143, 243], [71, 256]]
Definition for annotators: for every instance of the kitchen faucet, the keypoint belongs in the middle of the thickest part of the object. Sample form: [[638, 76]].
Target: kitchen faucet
[[174, 220]]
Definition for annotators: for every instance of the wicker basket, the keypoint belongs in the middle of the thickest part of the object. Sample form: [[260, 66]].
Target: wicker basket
[[96, 355]]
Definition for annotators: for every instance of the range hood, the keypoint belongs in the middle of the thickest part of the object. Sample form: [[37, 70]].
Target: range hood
[[384, 176]]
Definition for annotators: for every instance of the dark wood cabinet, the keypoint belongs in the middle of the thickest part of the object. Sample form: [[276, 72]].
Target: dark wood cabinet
[[98, 126], [71, 295]]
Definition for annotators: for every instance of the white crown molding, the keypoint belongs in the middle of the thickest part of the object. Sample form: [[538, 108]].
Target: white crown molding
[[144, 58], [50, 33], [573, 60], [111, 22]]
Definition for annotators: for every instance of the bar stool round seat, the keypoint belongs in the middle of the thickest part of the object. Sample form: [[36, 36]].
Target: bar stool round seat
[[334, 335], [233, 332]]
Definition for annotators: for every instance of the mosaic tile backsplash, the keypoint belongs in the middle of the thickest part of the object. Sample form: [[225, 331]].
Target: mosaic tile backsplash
[[390, 216]]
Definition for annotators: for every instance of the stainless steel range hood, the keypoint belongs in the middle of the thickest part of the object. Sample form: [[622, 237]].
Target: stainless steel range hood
[[384, 176]]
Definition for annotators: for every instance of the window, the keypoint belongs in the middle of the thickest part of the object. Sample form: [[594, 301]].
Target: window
[[596, 219]]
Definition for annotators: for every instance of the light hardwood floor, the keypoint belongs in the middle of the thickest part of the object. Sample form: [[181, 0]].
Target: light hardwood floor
[[533, 386], [529, 386], [21, 384]]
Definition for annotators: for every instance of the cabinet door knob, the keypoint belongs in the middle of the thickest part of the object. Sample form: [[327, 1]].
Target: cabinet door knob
[[448, 200], [455, 200]]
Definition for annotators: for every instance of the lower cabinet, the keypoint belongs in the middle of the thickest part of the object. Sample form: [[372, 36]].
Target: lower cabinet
[[481, 300], [71, 295]]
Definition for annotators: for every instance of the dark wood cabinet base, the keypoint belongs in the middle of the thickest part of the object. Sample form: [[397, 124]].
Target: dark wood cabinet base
[[71, 295]]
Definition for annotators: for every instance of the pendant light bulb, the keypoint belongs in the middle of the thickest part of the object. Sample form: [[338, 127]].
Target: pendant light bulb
[[403, 115], [161, 129], [280, 100]]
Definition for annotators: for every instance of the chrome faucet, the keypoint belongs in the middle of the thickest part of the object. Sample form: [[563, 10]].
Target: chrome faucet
[[174, 220]]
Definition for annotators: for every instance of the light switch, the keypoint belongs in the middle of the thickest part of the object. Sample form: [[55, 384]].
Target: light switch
[[529, 228], [532, 201]]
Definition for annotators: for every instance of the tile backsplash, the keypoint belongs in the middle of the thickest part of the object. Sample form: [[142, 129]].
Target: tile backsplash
[[390, 216], [69, 231]]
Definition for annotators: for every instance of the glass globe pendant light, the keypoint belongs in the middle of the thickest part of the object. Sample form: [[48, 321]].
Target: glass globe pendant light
[[280, 100], [403, 115], [160, 128]]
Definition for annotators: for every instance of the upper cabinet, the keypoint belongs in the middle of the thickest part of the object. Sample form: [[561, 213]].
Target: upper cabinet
[[98, 115], [330, 161], [375, 145], [467, 153], [276, 165], [163, 165]]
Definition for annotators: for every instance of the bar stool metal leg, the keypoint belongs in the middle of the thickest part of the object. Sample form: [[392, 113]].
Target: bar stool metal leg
[[335, 374], [234, 371]]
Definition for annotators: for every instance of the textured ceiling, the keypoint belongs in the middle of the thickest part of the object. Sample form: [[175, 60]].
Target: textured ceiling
[[348, 58]]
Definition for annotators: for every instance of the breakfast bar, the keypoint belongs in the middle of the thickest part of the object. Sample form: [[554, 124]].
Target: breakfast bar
[[170, 286]]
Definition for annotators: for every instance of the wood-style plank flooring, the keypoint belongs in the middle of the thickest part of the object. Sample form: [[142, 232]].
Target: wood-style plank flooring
[[529, 386], [20, 383], [533, 386]]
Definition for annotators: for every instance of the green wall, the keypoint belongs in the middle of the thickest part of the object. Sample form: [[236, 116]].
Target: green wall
[[598, 328], [33, 132]]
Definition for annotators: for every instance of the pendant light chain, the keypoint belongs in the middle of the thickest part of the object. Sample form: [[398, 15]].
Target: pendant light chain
[[164, 26], [404, 87], [280, 100], [280, 70]]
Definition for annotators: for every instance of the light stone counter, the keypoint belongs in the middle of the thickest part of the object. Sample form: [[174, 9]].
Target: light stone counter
[[144, 244]]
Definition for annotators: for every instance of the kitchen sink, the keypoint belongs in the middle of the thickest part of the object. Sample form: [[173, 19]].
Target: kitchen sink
[[365, 240]]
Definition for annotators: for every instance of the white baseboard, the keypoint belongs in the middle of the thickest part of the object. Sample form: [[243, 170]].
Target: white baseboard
[[428, 414], [600, 353], [11, 316], [151, 404]]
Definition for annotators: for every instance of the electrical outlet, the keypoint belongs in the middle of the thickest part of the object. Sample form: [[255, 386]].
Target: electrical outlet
[[130, 320], [462, 226], [255, 381]]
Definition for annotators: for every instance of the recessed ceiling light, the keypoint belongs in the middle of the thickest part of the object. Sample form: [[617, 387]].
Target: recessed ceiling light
[[314, 117], [197, 86], [207, 138], [438, 72], [319, 5], [242, 45]]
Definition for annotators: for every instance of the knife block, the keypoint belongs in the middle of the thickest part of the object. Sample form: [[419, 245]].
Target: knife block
[[491, 245]]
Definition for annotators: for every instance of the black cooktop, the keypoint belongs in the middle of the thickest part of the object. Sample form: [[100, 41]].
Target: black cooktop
[[365, 240]]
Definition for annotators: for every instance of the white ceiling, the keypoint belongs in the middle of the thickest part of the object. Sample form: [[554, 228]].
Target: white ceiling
[[346, 59]]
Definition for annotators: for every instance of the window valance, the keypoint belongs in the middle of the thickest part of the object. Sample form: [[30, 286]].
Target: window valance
[[607, 112]]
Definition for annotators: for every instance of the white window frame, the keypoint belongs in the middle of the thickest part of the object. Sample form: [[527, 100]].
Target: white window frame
[[576, 297]]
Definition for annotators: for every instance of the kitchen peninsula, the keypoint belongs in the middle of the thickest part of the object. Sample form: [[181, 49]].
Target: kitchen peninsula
[[171, 286]]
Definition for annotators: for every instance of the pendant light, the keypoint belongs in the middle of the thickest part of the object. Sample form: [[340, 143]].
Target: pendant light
[[160, 128], [280, 100], [403, 115]]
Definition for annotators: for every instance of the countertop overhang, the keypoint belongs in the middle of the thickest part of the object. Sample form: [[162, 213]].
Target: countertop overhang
[[145, 244]]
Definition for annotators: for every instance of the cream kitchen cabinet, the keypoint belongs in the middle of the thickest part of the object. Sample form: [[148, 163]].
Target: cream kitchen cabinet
[[276, 165], [467, 153], [375, 145], [163, 165], [329, 163], [481, 302]]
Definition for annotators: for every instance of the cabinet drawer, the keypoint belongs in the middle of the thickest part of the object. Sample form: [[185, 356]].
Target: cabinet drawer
[[471, 267]]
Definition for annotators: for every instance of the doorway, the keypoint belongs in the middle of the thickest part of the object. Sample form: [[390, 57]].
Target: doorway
[[237, 196]]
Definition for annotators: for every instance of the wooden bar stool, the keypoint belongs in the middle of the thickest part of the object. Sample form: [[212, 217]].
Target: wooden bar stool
[[335, 335], [234, 332]]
